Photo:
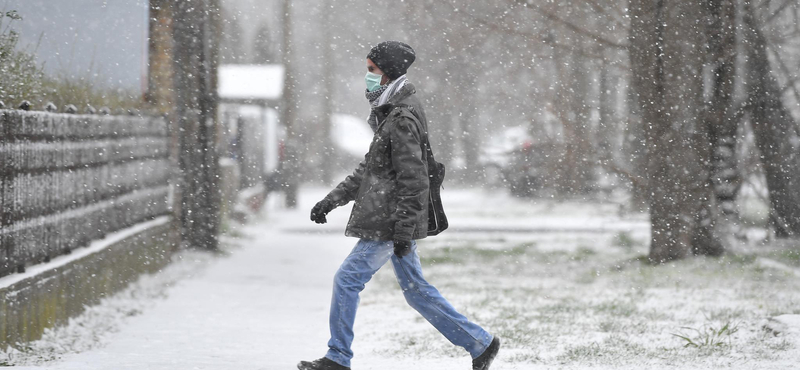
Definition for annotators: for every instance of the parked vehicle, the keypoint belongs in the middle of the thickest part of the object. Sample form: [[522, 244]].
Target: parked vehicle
[[514, 159], [497, 152], [525, 172]]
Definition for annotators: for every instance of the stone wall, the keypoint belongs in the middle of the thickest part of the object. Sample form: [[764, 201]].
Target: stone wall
[[32, 302]]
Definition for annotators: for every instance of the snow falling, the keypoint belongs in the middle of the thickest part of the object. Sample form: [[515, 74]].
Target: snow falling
[[620, 183]]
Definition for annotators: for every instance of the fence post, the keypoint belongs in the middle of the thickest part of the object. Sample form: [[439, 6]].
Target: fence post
[[9, 201]]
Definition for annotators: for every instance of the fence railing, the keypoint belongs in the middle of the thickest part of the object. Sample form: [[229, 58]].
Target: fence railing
[[67, 179]]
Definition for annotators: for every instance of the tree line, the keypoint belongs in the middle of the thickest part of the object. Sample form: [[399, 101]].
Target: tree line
[[685, 102]]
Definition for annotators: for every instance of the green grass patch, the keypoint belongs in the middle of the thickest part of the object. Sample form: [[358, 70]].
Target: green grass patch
[[616, 308], [788, 256], [583, 254], [738, 259], [609, 351], [623, 240], [708, 336], [456, 254]]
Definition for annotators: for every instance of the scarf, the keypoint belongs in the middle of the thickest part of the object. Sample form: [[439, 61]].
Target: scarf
[[372, 97], [380, 97]]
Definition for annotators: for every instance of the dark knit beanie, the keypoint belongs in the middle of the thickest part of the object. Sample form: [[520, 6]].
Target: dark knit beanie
[[392, 57]]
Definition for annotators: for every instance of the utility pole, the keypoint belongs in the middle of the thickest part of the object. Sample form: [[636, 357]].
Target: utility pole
[[326, 153], [290, 165]]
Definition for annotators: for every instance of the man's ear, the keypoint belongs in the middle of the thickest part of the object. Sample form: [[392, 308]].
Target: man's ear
[[384, 79]]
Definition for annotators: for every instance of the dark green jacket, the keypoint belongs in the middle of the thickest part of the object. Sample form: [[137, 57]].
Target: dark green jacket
[[390, 187]]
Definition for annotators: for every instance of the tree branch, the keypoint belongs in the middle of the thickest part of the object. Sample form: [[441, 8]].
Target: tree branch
[[635, 180], [605, 11], [777, 220], [581, 31], [527, 35], [791, 84], [780, 10]]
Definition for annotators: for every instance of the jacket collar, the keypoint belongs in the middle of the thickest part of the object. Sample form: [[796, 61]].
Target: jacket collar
[[382, 111]]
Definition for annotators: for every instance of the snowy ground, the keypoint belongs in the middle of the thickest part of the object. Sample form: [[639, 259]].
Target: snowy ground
[[561, 283]]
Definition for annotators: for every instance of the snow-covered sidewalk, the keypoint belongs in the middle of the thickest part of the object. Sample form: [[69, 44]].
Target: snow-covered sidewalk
[[264, 306], [559, 281]]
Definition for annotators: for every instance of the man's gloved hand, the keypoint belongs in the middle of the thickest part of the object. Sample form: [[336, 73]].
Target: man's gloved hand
[[320, 210], [402, 248]]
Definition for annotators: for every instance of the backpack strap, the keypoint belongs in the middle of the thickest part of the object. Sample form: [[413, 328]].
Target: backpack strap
[[406, 111]]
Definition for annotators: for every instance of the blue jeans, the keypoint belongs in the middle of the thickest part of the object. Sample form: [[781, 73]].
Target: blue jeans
[[357, 269]]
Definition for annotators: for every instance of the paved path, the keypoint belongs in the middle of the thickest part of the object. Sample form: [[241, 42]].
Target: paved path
[[259, 308]]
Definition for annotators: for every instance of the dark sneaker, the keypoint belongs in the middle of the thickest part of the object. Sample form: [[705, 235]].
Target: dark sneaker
[[321, 364], [483, 361]]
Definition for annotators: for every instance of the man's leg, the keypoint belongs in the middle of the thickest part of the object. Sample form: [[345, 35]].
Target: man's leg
[[357, 269], [427, 300]]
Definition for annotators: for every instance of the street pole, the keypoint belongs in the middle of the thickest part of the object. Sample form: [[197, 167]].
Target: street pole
[[326, 153], [290, 166]]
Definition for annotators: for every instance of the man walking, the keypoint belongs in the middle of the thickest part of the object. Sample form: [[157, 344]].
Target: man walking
[[390, 189]]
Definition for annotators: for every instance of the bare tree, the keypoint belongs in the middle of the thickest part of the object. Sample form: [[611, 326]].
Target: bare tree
[[572, 109], [721, 112], [160, 88], [263, 48], [667, 55], [231, 44], [775, 130]]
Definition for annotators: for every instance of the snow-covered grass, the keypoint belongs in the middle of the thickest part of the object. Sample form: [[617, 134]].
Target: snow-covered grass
[[590, 299]]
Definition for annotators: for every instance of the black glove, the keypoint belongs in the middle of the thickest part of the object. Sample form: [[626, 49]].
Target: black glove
[[319, 211], [402, 248]]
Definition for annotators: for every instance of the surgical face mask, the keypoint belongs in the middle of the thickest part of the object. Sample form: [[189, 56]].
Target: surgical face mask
[[373, 81]]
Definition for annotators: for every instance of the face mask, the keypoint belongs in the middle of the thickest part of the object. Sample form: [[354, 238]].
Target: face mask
[[373, 81]]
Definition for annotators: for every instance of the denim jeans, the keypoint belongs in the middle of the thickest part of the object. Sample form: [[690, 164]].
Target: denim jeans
[[357, 269]]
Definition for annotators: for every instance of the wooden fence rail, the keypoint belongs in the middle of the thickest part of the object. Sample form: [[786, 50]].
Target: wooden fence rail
[[67, 179]]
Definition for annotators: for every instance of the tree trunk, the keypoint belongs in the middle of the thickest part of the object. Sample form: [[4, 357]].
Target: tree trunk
[[160, 97], [579, 147], [195, 109], [721, 120], [667, 55], [160, 49], [635, 144], [467, 118], [571, 107], [775, 131], [607, 129]]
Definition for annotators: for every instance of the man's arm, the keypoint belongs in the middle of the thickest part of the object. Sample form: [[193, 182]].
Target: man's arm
[[348, 188], [412, 177]]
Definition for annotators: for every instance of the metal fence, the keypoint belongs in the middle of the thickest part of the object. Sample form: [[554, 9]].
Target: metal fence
[[67, 179]]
